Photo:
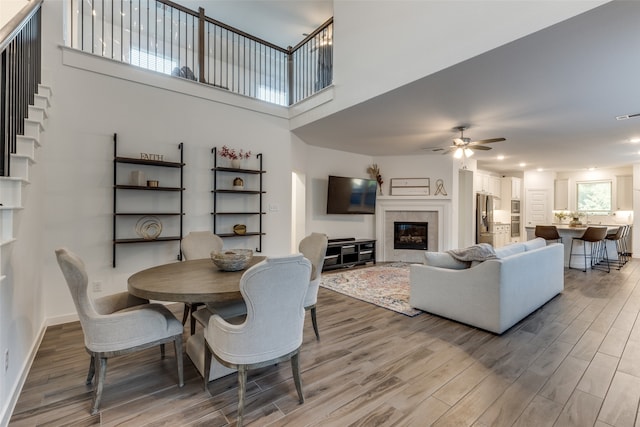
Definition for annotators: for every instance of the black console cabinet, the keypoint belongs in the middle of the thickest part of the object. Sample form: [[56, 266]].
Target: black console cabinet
[[349, 252]]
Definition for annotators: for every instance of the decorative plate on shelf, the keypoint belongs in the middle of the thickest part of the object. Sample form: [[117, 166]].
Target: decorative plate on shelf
[[149, 227]]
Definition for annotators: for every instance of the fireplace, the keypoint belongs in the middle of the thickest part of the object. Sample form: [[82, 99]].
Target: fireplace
[[410, 235]]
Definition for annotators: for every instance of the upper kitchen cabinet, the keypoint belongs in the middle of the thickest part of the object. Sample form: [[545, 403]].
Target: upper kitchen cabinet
[[511, 188], [561, 195], [489, 184], [624, 193]]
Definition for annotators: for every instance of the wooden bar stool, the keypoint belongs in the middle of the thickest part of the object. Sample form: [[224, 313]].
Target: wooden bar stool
[[598, 248]]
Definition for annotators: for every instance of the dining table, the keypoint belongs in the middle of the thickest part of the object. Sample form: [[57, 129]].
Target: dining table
[[198, 280]]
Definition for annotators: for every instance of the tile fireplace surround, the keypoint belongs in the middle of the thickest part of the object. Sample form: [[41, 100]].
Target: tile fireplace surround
[[391, 209]]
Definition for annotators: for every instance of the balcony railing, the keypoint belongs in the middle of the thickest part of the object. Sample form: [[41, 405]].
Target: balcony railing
[[20, 75], [166, 37]]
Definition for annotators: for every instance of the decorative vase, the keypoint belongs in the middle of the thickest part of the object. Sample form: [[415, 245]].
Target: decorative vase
[[235, 163]]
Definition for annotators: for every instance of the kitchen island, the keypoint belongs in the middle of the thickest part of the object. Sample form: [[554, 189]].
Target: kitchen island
[[568, 233]]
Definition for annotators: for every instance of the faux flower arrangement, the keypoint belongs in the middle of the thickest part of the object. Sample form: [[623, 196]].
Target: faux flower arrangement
[[232, 154], [374, 172], [576, 215], [561, 215]]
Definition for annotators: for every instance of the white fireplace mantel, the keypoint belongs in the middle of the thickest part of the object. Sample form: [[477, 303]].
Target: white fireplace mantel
[[386, 205]]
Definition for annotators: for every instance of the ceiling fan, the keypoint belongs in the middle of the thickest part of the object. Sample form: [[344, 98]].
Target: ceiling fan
[[464, 146]]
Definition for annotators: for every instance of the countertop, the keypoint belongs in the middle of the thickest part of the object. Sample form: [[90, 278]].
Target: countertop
[[581, 227]]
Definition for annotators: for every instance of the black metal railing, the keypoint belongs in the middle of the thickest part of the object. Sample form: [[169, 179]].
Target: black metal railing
[[20, 75], [169, 38]]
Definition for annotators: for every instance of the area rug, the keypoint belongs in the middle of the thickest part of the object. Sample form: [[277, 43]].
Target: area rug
[[384, 285]]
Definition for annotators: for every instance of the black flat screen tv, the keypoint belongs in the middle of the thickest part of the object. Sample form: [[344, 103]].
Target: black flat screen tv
[[351, 195]]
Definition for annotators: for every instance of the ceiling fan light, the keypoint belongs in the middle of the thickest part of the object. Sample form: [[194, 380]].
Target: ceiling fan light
[[458, 153], [468, 152]]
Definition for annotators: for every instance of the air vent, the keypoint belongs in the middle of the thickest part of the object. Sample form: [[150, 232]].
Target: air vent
[[627, 116]]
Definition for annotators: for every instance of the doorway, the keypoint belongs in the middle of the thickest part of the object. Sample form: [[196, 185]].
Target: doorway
[[537, 207], [298, 202]]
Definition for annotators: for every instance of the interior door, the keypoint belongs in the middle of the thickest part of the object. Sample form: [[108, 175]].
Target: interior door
[[537, 207]]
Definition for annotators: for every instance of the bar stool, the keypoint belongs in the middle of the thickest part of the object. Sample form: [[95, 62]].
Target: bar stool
[[617, 237], [596, 237], [548, 232]]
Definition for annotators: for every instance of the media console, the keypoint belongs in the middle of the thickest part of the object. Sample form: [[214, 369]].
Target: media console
[[349, 252]]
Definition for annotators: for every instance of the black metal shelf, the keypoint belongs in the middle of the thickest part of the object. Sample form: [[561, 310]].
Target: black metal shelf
[[117, 160], [219, 195]]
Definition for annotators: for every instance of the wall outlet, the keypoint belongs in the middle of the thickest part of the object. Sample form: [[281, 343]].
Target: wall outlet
[[97, 286], [6, 360]]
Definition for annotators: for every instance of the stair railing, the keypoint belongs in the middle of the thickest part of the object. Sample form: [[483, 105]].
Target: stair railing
[[169, 38], [20, 75]]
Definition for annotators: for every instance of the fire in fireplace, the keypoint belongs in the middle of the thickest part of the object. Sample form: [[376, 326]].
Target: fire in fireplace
[[410, 235]]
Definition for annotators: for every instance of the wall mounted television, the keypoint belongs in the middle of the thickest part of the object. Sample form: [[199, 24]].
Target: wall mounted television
[[351, 195]]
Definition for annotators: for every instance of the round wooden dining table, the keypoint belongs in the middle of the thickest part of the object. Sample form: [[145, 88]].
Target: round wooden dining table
[[189, 281]]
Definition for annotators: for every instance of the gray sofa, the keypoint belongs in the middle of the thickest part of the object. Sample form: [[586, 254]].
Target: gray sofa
[[494, 294]]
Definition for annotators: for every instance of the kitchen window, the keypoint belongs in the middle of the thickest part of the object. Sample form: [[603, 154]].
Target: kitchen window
[[594, 196]]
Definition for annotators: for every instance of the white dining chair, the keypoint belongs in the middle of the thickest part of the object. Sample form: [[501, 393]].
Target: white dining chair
[[274, 291], [314, 248]]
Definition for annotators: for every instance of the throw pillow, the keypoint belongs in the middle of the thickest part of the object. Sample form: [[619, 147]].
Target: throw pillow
[[536, 243], [509, 250], [444, 260]]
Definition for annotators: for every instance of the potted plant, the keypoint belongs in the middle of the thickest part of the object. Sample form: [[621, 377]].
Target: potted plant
[[575, 219], [234, 156], [560, 216]]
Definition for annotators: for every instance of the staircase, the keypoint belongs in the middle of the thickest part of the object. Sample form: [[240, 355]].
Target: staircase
[[11, 187]]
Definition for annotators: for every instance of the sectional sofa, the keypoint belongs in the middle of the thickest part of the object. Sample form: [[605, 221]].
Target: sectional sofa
[[494, 294]]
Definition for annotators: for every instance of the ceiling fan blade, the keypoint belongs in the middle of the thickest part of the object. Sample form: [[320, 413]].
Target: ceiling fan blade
[[458, 141], [480, 147], [486, 141]]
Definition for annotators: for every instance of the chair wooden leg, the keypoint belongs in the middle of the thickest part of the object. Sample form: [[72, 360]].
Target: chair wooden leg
[[207, 366], [242, 390], [314, 321], [177, 345], [92, 370], [102, 374], [193, 319], [295, 368], [185, 315], [162, 351]]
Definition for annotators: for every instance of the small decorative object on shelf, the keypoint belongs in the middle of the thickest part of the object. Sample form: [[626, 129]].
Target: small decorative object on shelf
[[149, 227], [575, 219], [137, 178], [154, 157], [232, 259], [374, 172], [235, 156], [152, 183], [240, 229], [238, 183], [560, 216]]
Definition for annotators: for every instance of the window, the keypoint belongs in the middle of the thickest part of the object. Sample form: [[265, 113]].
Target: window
[[152, 62], [594, 196]]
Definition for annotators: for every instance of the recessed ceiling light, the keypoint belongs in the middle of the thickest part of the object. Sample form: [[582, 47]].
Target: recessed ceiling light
[[500, 157], [592, 168], [540, 169], [523, 164], [634, 140]]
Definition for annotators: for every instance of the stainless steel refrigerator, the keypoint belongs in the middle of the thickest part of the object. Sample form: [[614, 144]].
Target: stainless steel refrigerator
[[484, 218]]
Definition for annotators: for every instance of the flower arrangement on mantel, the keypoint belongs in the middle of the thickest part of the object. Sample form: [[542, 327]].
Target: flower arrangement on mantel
[[234, 155], [374, 172]]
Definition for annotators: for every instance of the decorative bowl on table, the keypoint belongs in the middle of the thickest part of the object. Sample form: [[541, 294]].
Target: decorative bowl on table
[[232, 259]]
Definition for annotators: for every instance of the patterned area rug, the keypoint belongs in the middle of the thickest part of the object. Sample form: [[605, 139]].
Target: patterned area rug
[[385, 285]]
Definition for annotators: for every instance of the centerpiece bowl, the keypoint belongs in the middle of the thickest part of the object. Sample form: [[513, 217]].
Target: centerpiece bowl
[[232, 259]]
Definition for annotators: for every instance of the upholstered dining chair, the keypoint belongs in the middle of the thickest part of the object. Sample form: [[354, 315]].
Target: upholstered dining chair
[[548, 232], [595, 236], [314, 248], [274, 291], [117, 326], [198, 245]]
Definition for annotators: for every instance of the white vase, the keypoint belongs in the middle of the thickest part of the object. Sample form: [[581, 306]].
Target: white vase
[[235, 163]]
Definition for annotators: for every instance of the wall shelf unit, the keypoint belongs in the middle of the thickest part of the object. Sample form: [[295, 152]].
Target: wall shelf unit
[[147, 198], [240, 205]]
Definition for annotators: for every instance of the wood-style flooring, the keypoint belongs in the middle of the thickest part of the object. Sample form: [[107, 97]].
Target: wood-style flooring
[[574, 362]]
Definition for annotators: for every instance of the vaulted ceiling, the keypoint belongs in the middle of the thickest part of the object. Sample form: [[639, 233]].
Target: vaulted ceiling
[[554, 95]]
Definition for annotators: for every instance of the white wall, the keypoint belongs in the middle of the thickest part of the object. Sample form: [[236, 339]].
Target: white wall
[[9, 8], [386, 36]]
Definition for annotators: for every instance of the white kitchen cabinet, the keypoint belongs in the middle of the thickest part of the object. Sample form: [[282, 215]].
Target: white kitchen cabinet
[[624, 193], [495, 185], [561, 195], [501, 235], [516, 191], [511, 189]]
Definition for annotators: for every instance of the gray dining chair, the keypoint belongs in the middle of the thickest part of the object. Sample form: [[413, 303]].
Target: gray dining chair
[[274, 291], [118, 325], [198, 245], [314, 248]]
